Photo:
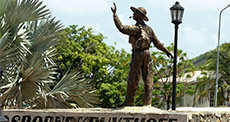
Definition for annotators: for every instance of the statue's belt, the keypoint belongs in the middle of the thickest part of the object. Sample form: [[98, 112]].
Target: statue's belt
[[139, 50]]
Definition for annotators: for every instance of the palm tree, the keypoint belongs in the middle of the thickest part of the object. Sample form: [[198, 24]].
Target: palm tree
[[71, 91], [204, 87], [224, 76], [28, 36]]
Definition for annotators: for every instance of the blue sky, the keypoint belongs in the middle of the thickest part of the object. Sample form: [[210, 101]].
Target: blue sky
[[197, 33]]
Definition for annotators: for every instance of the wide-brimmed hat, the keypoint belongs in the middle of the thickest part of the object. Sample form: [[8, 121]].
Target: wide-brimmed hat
[[141, 10]]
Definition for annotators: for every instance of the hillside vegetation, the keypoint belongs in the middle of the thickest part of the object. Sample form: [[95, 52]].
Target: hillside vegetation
[[203, 58]]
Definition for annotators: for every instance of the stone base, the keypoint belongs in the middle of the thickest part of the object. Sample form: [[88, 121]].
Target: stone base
[[206, 114], [127, 114]]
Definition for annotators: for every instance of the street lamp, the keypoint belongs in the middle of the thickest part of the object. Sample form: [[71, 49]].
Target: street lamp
[[218, 50], [2, 118], [176, 13]]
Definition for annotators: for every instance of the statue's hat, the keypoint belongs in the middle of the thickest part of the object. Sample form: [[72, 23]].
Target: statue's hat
[[141, 10]]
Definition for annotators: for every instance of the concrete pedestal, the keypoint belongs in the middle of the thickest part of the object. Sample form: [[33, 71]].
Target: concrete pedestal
[[206, 114], [127, 114]]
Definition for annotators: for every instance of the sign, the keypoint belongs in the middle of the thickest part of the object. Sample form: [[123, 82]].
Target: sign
[[89, 116]]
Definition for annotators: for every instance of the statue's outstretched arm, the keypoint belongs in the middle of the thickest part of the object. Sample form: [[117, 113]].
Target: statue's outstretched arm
[[125, 29], [159, 46]]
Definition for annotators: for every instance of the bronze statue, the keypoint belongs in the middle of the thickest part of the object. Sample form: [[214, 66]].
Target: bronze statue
[[140, 37]]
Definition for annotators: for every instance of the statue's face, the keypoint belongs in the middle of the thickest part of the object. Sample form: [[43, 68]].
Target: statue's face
[[137, 16]]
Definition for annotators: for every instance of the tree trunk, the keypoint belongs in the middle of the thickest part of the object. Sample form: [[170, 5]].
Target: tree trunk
[[168, 102]]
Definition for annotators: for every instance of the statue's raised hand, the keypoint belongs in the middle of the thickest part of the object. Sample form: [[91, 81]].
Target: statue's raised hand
[[114, 10], [169, 55]]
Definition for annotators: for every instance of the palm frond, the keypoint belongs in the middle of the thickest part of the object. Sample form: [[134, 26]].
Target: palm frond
[[21, 11], [3, 5], [47, 100], [27, 47], [72, 88], [8, 56], [29, 80], [202, 94], [44, 34]]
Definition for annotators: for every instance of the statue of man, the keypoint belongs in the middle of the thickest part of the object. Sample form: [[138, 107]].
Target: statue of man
[[140, 37]]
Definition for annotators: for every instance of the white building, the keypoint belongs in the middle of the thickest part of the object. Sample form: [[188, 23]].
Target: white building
[[191, 79], [208, 100]]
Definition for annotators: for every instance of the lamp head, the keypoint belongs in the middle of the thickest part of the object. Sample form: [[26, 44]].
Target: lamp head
[[177, 12]]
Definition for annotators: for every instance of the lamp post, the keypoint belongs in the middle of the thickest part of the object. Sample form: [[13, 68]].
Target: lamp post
[[218, 52], [176, 13]]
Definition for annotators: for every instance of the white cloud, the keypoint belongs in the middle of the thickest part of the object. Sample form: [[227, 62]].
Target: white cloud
[[124, 38], [96, 27], [123, 42], [206, 5], [196, 41], [73, 7], [198, 36], [192, 5], [160, 4], [126, 20], [197, 33]]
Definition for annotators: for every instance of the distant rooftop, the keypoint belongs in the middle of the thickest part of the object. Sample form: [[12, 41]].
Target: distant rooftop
[[193, 76]]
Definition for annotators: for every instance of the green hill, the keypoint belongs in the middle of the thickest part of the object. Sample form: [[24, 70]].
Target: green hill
[[203, 58]]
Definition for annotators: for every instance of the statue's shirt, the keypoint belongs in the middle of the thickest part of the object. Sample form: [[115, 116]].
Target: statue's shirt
[[135, 32]]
